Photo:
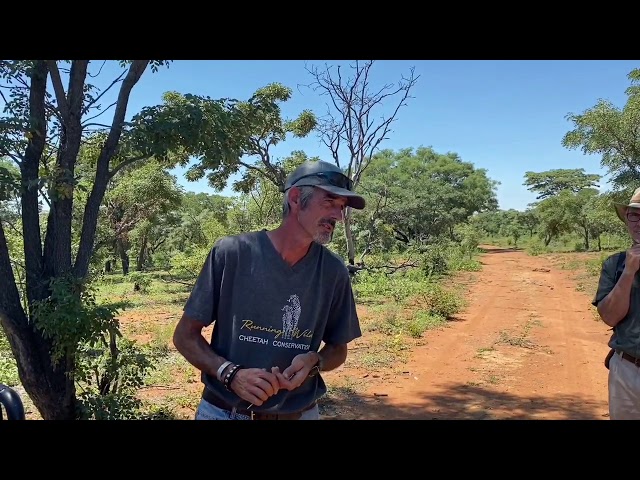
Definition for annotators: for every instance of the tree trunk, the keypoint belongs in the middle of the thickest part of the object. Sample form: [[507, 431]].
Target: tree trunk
[[51, 391], [599, 244], [586, 239], [142, 254], [124, 256], [51, 387], [351, 252], [90, 217], [48, 386]]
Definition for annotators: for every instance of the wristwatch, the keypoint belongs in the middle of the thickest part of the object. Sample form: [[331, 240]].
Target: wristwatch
[[316, 368]]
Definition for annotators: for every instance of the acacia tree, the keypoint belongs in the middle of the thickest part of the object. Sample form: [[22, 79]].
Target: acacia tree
[[601, 218], [422, 195], [613, 133], [140, 195], [349, 128], [268, 129], [42, 132], [557, 215], [511, 225], [550, 183]]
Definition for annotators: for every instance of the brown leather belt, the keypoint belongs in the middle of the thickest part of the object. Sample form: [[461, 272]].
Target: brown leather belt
[[629, 358], [213, 400]]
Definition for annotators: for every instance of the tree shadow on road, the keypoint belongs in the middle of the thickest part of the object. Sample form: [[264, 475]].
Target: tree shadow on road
[[461, 402], [500, 250]]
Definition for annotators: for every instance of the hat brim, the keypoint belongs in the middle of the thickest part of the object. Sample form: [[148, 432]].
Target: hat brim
[[621, 209], [353, 199]]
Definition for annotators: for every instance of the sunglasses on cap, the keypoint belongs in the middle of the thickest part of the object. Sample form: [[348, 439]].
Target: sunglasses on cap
[[333, 178]]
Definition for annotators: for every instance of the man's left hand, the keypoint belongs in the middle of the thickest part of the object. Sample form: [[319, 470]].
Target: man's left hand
[[295, 374]]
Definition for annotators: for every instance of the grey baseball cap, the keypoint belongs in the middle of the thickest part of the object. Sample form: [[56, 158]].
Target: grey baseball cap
[[327, 176]]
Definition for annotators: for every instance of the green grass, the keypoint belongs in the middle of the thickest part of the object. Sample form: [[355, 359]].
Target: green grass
[[585, 268], [403, 306], [8, 367], [481, 351], [347, 392], [424, 321], [378, 359], [516, 340], [565, 244], [159, 292]]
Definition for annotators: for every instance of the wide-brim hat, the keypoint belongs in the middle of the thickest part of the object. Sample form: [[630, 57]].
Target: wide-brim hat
[[326, 176], [634, 202]]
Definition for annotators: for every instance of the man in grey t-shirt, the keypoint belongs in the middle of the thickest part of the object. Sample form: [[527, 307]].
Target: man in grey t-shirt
[[275, 297]]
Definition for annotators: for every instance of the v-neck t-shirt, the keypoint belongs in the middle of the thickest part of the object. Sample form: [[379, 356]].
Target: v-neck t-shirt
[[266, 311]]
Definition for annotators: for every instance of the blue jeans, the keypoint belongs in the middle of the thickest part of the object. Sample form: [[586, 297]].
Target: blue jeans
[[206, 411]]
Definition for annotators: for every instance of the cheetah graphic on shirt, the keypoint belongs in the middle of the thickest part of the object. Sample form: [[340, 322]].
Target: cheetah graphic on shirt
[[290, 317]]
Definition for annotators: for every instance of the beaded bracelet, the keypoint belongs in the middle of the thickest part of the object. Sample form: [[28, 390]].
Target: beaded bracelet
[[229, 376]]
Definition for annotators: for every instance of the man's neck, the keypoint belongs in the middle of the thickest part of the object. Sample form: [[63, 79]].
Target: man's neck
[[290, 244]]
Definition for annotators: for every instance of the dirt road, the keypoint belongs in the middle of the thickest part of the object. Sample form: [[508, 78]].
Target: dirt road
[[528, 346]]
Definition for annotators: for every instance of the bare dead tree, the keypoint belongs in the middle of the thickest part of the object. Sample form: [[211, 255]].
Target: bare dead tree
[[349, 129], [379, 203]]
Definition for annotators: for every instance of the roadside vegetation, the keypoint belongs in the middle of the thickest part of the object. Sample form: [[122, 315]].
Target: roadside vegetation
[[100, 246]]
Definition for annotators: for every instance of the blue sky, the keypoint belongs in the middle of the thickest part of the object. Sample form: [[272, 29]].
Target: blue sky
[[505, 116]]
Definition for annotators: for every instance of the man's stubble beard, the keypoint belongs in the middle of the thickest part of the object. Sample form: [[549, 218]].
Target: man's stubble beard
[[320, 237], [323, 237]]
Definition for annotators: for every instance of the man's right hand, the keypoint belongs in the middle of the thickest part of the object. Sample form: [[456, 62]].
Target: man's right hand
[[254, 385], [632, 261]]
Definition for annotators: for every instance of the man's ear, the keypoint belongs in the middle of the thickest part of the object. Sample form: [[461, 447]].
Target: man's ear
[[294, 197]]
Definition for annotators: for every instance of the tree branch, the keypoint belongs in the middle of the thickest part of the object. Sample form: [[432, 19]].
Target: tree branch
[[104, 62], [29, 172], [126, 162], [351, 122], [98, 115], [91, 103], [401, 236], [14, 157], [57, 244], [12, 315], [75, 94], [58, 88], [96, 125], [90, 218]]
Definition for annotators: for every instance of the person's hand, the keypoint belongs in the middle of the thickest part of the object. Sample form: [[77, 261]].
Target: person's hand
[[255, 385], [295, 374], [632, 262]]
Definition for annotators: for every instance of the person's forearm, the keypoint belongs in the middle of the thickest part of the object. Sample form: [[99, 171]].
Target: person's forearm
[[333, 356], [615, 305], [197, 351]]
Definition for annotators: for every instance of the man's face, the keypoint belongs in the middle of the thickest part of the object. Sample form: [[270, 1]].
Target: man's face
[[633, 223], [318, 218]]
